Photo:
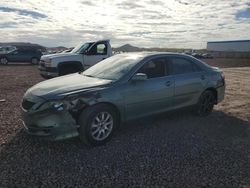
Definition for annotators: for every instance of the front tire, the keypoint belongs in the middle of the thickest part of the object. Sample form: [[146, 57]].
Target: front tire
[[97, 124], [4, 61], [206, 103]]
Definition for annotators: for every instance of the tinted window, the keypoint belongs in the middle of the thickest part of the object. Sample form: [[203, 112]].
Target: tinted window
[[20, 51], [182, 66], [154, 68]]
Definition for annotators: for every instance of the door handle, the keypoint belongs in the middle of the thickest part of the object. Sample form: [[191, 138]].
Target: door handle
[[168, 83]]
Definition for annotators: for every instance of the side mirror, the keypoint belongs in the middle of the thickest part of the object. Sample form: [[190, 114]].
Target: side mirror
[[139, 77], [88, 52], [85, 52]]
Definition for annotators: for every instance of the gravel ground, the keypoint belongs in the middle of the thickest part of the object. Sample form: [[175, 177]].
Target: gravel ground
[[172, 150]]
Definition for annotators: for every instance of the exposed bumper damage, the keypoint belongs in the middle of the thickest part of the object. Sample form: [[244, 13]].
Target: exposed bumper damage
[[52, 126], [52, 120]]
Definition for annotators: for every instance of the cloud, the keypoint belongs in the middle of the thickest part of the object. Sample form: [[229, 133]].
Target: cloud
[[129, 5], [23, 12], [151, 23], [8, 25], [90, 3]]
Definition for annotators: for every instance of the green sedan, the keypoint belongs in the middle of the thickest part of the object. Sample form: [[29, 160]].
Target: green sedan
[[93, 103]]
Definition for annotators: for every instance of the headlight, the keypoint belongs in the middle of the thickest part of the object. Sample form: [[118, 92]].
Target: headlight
[[48, 63], [65, 104], [58, 105]]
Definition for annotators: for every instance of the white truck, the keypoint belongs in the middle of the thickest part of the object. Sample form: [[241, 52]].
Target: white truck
[[80, 58]]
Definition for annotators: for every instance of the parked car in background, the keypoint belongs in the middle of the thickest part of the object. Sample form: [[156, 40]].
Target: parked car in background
[[201, 56], [21, 55], [207, 56], [118, 89], [197, 55], [80, 58]]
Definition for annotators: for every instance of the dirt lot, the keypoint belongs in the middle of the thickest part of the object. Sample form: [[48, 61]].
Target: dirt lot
[[175, 149]]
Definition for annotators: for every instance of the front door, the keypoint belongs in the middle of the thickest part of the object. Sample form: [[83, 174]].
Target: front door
[[97, 53], [150, 96], [15, 56]]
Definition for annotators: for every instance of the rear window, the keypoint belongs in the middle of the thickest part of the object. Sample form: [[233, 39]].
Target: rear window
[[183, 66]]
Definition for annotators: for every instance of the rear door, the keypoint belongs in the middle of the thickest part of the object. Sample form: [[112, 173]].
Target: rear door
[[27, 55], [190, 81], [96, 53], [152, 95]]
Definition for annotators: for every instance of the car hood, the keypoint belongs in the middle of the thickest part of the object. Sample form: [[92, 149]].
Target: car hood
[[57, 87], [51, 56]]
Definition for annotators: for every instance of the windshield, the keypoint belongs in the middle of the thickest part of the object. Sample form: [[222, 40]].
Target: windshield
[[114, 67], [80, 48]]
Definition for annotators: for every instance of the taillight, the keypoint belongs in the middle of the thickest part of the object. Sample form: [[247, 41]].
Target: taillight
[[222, 78]]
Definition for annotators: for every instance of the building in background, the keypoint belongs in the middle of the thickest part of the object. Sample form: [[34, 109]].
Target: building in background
[[229, 46], [229, 49]]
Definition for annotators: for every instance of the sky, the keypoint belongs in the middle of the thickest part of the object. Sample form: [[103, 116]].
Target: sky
[[143, 23]]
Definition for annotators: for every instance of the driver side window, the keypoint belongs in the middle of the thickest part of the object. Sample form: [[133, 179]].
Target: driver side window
[[154, 68], [16, 52], [98, 49]]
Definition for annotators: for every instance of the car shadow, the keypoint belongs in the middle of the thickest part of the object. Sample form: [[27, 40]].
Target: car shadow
[[218, 124], [179, 136]]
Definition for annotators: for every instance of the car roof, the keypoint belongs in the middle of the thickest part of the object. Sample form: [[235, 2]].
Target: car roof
[[105, 40], [151, 54]]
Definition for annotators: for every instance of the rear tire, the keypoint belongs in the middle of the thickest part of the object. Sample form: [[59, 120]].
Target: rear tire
[[4, 61], [97, 124], [206, 103]]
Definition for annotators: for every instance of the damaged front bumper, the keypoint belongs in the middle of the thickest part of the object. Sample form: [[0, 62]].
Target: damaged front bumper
[[47, 122], [51, 126]]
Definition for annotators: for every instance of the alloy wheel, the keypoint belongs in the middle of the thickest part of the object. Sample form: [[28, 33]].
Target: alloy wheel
[[102, 126], [4, 61]]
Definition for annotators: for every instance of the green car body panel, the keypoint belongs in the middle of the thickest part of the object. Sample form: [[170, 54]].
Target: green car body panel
[[131, 99]]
